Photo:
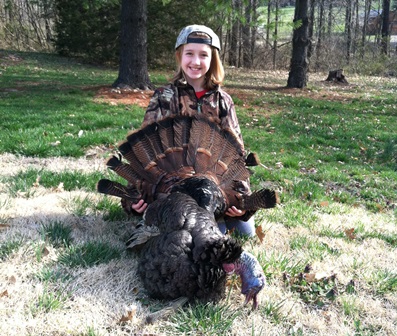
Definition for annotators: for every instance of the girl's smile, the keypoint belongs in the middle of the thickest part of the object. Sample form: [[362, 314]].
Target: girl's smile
[[195, 63]]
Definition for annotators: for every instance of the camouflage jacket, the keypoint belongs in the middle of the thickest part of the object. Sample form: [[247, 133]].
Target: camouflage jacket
[[180, 98]]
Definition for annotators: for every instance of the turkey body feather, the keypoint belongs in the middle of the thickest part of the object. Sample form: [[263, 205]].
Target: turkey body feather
[[186, 256]]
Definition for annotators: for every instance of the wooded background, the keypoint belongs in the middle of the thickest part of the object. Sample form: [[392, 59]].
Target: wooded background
[[254, 33]]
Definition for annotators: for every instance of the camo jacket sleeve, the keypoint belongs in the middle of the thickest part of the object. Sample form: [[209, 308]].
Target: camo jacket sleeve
[[163, 103]]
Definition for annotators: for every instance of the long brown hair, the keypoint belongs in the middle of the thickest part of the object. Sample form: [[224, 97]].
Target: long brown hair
[[216, 72]]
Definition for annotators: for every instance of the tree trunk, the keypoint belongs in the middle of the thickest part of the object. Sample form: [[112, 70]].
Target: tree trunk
[[330, 20], [234, 36], [367, 9], [348, 29], [311, 28], [320, 35], [133, 69], [356, 25], [300, 43], [246, 30], [385, 27], [275, 36], [269, 10], [254, 30], [337, 76]]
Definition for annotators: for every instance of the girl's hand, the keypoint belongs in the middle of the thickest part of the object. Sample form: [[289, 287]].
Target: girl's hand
[[139, 207], [234, 212]]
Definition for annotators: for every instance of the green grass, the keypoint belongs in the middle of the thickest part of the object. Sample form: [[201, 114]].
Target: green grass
[[57, 233], [313, 291], [26, 181], [88, 254], [331, 150], [384, 281], [314, 249], [272, 310], [9, 247], [55, 293], [53, 275], [49, 300], [46, 101], [204, 319]]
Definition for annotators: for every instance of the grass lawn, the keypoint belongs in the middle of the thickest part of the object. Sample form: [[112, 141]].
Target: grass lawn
[[329, 250]]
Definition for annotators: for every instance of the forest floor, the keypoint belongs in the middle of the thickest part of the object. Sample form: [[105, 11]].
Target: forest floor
[[244, 93]]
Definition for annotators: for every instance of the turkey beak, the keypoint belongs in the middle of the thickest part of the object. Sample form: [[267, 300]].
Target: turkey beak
[[252, 294]]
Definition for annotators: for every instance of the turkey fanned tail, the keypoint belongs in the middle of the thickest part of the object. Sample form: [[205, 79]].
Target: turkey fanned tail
[[170, 151]]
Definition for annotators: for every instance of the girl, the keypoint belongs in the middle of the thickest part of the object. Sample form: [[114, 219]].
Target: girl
[[196, 89]]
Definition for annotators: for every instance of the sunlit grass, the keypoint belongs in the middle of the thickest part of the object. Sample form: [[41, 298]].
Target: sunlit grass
[[9, 247], [57, 233], [88, 254], [204, 319]]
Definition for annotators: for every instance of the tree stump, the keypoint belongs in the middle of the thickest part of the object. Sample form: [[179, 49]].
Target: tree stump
[[336, 76]]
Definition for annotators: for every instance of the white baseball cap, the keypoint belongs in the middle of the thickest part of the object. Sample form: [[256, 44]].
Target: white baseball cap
[[184, 38]]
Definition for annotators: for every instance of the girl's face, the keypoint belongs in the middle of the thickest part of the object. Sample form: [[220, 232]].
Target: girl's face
[[196, 61]]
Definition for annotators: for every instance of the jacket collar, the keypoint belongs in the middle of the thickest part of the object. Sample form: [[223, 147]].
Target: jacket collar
[[182, 83]]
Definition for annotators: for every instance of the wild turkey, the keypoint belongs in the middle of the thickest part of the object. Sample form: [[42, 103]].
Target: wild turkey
[[190, 172]]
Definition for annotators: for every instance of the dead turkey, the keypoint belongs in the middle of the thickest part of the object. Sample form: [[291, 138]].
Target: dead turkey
[[190, 172]]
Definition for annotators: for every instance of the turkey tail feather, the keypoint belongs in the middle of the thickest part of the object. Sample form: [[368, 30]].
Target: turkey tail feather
[[108, 187], [261, 199], [122, 169], [201, 137]]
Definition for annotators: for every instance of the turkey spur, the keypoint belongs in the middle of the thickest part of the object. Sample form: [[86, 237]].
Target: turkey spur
[[190, 172]]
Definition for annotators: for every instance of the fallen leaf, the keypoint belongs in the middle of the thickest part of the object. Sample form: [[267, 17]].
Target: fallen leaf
[[37, 182], [324, 204], [45, 251], [260, 233], [233, 282], [60, 187], [379, 207], [309, 277], [129, 316], [350, 233], [4, 293], [279, 165], [230, 232]]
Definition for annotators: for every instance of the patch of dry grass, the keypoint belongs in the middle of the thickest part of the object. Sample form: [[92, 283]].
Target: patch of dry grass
[[108, 299]]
